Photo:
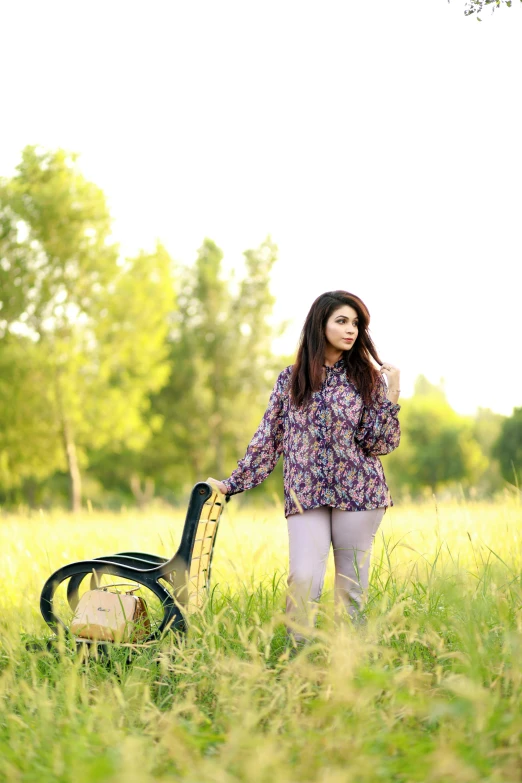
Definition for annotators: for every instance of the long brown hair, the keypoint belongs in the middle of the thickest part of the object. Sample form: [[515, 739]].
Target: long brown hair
[[307, 373]]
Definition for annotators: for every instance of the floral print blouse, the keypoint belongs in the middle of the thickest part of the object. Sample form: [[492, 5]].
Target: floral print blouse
[[330, 447]]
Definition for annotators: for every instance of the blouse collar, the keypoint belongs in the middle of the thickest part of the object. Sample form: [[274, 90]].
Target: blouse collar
[[337, 366]]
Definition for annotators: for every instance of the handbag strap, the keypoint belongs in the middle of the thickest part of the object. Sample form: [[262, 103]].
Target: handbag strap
[[107, 589]]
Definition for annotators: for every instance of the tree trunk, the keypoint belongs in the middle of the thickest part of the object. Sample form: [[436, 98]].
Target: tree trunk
[[29, 490], [143, 496], [75, 479]]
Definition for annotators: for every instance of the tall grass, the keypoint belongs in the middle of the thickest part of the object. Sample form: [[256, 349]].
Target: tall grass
[[429, 690]]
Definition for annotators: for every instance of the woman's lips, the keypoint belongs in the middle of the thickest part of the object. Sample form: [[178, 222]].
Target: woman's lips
[[348, 339]]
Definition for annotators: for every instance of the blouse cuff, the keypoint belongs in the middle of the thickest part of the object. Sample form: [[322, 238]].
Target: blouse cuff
[[231, 487], [391, 407]]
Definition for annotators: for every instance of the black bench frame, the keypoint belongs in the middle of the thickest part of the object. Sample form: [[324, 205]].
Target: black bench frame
[[180, 583]]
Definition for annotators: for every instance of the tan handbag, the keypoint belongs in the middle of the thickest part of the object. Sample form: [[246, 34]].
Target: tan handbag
[[104, 615]]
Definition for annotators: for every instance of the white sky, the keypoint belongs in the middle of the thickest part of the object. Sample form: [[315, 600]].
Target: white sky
[[377, 142]]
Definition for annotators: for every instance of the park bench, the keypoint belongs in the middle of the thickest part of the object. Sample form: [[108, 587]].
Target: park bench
[[180, 583]]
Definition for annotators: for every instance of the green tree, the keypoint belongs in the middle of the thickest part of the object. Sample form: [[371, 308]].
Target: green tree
[[99, 323], [29, 444], [19, 263], [487, 426], [508, 448], [222, 368], [438, 447], [472, 7]]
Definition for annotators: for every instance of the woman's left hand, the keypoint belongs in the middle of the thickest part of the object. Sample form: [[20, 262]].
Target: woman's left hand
[[393, 376]]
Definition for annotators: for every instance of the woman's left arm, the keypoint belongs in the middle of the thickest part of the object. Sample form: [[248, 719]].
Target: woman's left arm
[[379, 430]]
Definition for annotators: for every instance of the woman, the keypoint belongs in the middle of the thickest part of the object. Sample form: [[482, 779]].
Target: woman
[[331, 415]]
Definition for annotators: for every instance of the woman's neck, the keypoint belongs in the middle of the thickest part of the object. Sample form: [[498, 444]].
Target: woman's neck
[[331, 356]]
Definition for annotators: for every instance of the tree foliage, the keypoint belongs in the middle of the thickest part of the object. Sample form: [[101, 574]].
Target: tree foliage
[[97, 325], [475, 7], [438, 447], [29, 442], [191, 404], [508, 448], [221, 370]]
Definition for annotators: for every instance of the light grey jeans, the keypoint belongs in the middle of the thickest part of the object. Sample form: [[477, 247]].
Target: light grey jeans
[[310, 534]]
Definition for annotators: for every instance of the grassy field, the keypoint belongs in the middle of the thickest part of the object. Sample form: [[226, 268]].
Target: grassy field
[[429, 690]]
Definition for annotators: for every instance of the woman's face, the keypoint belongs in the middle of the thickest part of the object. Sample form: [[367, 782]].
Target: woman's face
[[342, 328]]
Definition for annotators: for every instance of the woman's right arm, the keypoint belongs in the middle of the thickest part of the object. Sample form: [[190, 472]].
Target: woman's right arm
[[265, 447]]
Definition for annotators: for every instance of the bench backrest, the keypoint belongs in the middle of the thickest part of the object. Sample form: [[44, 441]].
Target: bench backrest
[[205, 539]]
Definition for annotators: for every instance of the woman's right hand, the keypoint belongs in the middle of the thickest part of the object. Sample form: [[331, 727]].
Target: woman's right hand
[[218, 484]]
